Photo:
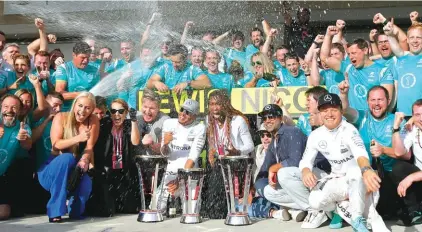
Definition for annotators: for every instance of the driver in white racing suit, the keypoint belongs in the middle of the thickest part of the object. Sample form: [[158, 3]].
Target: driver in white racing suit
[[351, 178]]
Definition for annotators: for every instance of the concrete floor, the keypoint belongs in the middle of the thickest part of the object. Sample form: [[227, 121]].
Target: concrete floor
[[128, 223]]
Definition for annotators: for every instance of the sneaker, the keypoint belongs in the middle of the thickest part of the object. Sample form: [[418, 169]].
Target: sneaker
[[411, 219], [314, 220], [359, 225], [297, 215], [282, 214], [336, 222]]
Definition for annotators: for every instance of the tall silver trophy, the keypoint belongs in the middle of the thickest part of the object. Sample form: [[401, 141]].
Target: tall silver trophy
[[237, 174], [190, 184], [151, 170]]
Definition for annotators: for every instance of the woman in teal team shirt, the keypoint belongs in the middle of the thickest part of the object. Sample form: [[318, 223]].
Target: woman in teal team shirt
[[18, 79], [264, 74], [218, 79]]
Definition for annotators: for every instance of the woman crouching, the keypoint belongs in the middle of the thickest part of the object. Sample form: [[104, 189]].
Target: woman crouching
[[73, 136]]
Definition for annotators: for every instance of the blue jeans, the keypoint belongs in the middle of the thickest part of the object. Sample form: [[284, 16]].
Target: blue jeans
[[260, 208], [53, 177], [260, 185]]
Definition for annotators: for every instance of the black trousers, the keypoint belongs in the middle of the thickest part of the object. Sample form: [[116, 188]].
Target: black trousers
[[413, 198], [389, 203]]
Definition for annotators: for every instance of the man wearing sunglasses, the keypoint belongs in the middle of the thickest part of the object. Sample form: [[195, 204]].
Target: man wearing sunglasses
[[285, 150], [183, 140]]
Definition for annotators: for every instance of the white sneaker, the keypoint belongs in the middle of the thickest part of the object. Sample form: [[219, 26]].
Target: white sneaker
[[282, 214], [314, 219], [297, 215]]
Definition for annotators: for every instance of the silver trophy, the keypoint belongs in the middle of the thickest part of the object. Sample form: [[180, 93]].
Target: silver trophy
[[190, 185], [237, 173], [151, 170]]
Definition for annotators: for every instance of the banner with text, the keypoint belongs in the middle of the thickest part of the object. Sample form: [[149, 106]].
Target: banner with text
[[247, 100]]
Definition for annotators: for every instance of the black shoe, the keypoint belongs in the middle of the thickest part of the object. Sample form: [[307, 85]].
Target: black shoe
[[414, 218]]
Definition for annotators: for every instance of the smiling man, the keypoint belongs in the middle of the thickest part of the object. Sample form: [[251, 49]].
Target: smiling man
[[363, 73], [218, 79], [293, 75], [77, 75], [375, 126]]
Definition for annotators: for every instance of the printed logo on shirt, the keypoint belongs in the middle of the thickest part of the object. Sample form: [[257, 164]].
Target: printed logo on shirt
[[47, 144], [190, 138], [344, 150], [388, 130], [79, 89], [408, 80], [3, 155], [419, 64], [184, 148], [323, 144], [342, 161], [360, 91], [371, 75], [357, 140]]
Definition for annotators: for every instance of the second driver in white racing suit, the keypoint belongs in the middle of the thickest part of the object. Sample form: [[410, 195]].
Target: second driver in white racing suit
[[351, 174]]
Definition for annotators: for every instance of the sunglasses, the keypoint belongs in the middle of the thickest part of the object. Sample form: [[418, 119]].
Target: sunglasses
[[269, 117], [183, 110], [267, 134], [114, 111], [256, 63]]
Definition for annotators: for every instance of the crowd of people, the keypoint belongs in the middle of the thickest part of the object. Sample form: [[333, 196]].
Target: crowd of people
[[355, 156]]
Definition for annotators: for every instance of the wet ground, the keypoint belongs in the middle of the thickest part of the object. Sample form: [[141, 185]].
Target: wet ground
[[128, 223]]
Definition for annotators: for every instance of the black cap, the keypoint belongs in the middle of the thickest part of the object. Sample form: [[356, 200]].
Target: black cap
[[329, 99], [271, 109]]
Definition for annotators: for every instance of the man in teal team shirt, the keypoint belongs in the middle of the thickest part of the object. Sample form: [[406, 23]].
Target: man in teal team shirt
[[409, 66], [178, 75], [237, 51], [293, 75], [329, 77], [43, 71], [376, 129], [77, 75], [127, 51], [41, 131], [13, 135], [363, 73], [218, 79], [280, 57], [305, 122]]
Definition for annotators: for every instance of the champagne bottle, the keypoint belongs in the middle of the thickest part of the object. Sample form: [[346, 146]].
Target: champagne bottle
[[171, 206]]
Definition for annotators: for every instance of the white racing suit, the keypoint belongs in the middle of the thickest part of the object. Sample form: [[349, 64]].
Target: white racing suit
[[343, 190]]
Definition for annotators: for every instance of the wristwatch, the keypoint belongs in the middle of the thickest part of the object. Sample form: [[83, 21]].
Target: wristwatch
[[364, 169], [395, 130], [188, 83]]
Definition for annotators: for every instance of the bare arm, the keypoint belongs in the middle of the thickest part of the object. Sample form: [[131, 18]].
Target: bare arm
[[56, 134], [61, 88], [331, 62], [374, 46], [220, 38], [188, 26], [189, 164], [151, 82], [38, 131], [286, 14], [135, 136], [315, 78], [349, 113], [392, 32], [202, 82], [42, 104], [398, 144]]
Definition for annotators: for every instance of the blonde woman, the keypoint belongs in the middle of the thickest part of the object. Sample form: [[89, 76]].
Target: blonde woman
[[73, 136], [263, 75]]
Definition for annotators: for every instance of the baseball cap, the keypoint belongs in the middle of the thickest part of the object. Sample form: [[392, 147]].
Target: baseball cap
[[329, 99], [191, 105], [273, 109]]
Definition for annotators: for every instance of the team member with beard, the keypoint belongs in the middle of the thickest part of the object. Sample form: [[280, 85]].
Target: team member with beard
[[73, 136], [183, 141], [375, 127], [127, 51], [76, 75], [150, 123], [280, 57], [351, 175], [13, 135], [17, 79], [178, 75], [114, 158], [228, 135], [363, 73], [408, 66], [218, 79]]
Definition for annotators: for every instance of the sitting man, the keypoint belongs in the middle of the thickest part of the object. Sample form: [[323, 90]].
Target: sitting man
[[340, 143]]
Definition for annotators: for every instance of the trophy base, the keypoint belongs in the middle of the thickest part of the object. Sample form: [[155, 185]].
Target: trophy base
[[191, 219], [237, 220], [150, 216]]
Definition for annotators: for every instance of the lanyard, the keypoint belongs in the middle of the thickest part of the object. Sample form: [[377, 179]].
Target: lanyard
[[219, 140]]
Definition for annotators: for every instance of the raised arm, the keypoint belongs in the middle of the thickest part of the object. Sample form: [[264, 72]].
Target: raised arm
[[331, 62], [135, 136], [349, 113], [286, 14], [145, 35], [41, 43], [339, 38], [374, 46], [392, 31], [221, 37], [39, 130], [401, 145], [42, 104], [315, 45], [270, 36], [414, 17], [315, 78], [185, 34]]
